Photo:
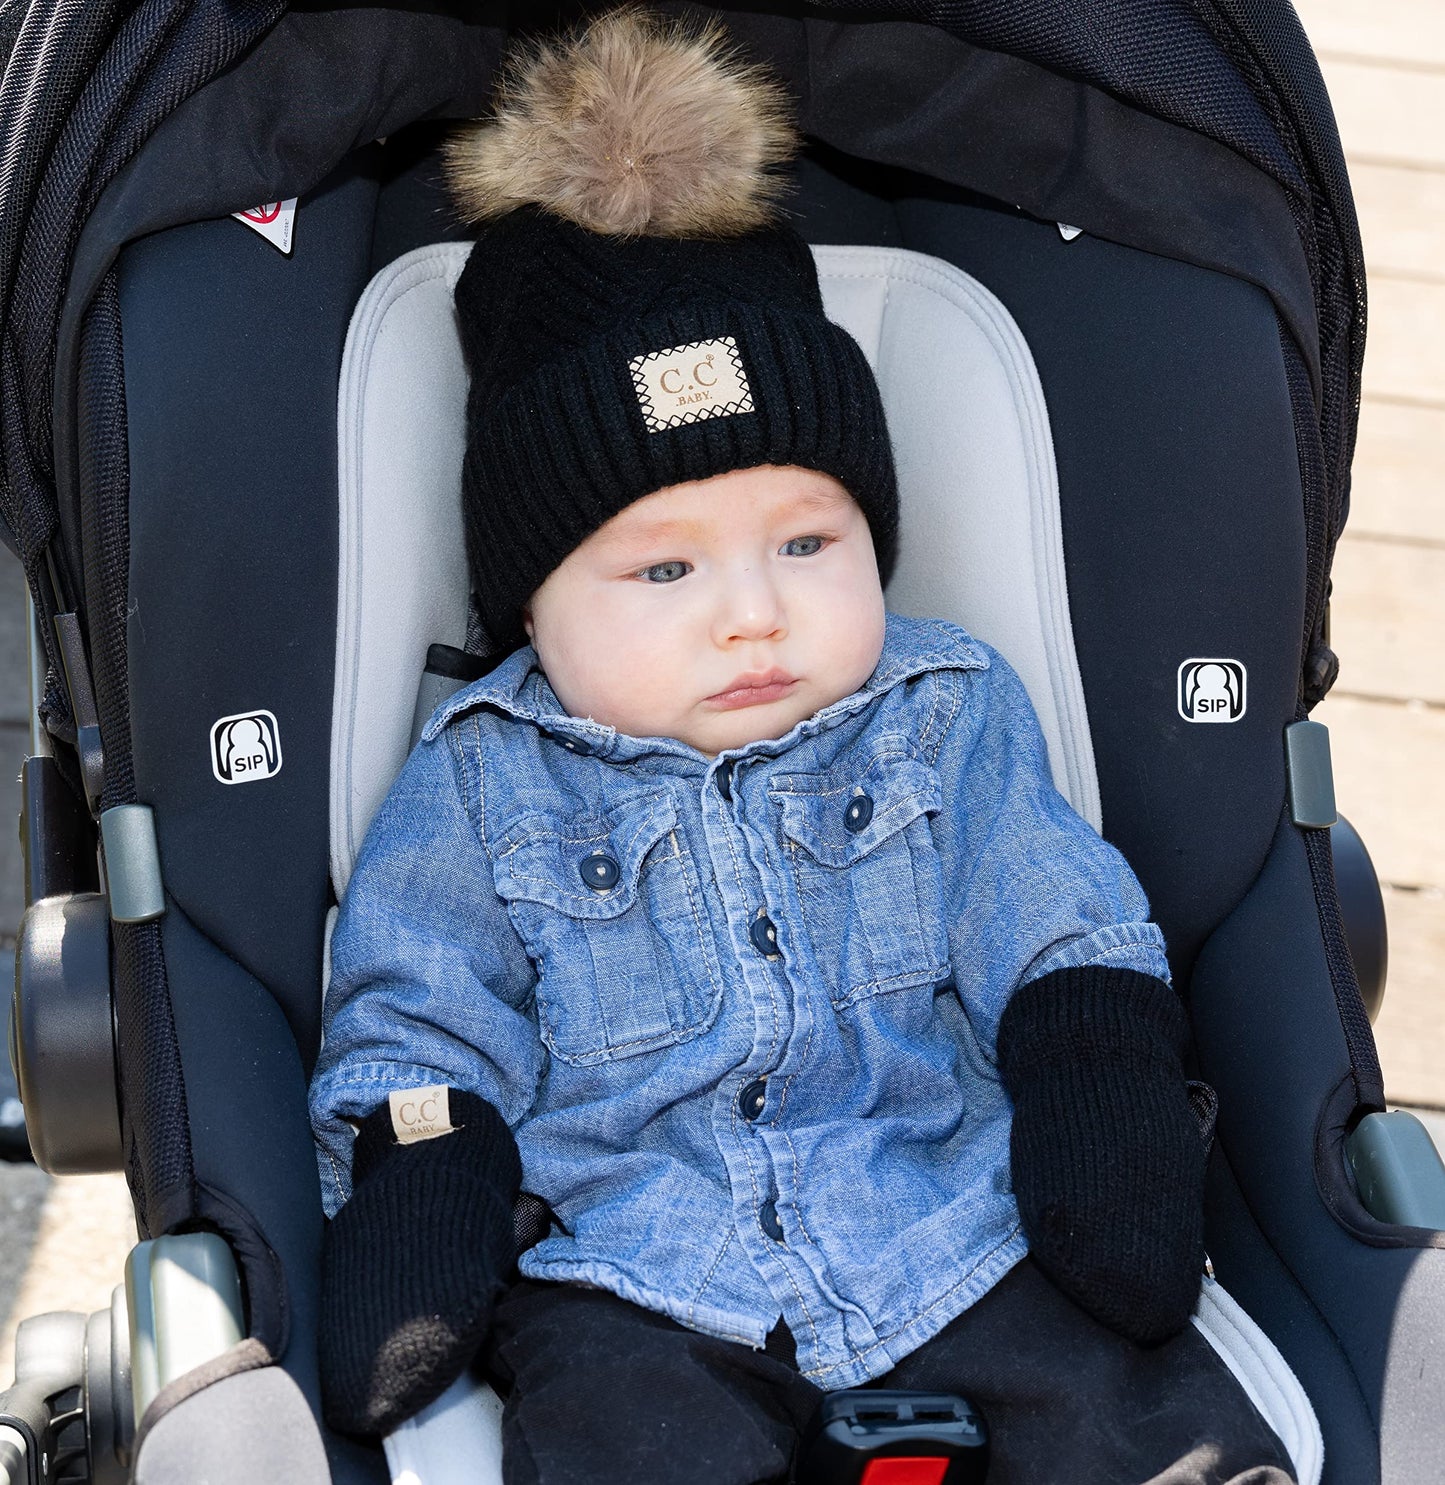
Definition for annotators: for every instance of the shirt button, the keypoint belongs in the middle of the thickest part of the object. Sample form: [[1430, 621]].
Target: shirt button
[[599, 871], [753, 1097], [723, 778], [764, 934], [576, 745], [858, 813], [768, 1219]]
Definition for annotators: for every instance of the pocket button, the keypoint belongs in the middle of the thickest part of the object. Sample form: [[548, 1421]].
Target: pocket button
[[599, 871], [858, 813]]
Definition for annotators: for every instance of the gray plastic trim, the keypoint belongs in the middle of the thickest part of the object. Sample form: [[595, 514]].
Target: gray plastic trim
[[1398, 1170], [63, 1030], [1311, 777], [183, 1301], [132, 863], [13, 1454]]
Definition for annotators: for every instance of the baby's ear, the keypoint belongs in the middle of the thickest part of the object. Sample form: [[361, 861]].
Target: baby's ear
[[527, 621]]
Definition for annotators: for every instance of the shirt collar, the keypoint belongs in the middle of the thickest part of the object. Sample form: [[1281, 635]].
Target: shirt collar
[[518, 688]]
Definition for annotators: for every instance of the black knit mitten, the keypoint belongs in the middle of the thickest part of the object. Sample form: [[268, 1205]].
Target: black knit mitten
[[1108, 1164], [412, 1264]]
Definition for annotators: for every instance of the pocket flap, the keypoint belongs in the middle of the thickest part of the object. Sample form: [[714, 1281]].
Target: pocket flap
[[584, 866], [839, 820]]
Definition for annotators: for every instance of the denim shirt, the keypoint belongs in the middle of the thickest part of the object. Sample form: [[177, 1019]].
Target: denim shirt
[[739, 1012]]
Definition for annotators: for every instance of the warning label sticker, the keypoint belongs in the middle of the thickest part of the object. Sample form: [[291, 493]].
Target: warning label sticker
[[274, 220]]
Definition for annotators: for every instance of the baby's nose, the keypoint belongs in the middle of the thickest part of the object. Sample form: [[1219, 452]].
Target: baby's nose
[[752, 608]]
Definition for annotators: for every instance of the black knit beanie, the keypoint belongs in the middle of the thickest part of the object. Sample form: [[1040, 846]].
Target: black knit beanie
[[632, 317]]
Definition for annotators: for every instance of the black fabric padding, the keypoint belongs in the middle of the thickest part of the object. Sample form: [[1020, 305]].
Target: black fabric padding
[[151, 1077], [1114, 171], [1180, 498], [1183, 535], [251, 1140], [998, 124], [1158, 52], [909, 96], [322, 84], [162, 50], [1269, 1038], [413, 206], [232, 353], [1252, 1273]]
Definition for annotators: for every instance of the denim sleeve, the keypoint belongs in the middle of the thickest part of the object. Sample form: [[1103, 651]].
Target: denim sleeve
[[429, 981], [1029, 885]]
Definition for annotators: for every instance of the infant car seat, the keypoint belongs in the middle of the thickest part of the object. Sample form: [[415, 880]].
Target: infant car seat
[[170, 462]]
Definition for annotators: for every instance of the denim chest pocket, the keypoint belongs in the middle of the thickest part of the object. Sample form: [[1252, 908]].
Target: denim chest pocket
[[612, 915], [867, 873]]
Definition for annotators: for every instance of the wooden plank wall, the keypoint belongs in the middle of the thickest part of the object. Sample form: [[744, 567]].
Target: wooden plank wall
[[1384, 64]]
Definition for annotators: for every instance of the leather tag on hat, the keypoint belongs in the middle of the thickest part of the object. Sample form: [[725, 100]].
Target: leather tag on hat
[[420, 1114], [687, 383]]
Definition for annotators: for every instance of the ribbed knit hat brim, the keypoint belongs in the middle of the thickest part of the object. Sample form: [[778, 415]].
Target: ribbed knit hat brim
[[560, 451]]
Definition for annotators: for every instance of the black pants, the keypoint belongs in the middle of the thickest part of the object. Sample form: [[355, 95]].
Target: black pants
[[600, 1392]]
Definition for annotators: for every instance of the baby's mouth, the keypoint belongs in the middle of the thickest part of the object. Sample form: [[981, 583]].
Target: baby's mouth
[[752, 689]]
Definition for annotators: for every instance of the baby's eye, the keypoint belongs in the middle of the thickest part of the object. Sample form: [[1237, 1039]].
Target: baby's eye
[[802, 546], [665, 572]]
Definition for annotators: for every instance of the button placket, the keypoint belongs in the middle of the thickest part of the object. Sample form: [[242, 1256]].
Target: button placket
[[764, 935], [768, 1220]]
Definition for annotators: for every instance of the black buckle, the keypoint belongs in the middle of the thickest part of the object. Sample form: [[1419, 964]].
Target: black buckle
[[867, 1436]]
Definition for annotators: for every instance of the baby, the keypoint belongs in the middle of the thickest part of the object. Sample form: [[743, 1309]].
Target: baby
[[733, 919]]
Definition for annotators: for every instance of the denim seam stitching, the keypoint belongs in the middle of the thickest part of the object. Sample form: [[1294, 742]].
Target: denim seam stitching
[[707, 1277], [697, 923], [955, 706], [860, 991], [882, 1341]]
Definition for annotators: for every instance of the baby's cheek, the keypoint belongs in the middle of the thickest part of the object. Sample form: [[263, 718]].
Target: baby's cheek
[[864, 630], [642, 688]]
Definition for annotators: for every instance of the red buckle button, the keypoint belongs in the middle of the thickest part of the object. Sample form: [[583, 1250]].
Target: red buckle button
[[905, 1470]]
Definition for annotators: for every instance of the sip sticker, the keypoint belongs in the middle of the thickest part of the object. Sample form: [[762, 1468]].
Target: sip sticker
[[1212, 690], [245, 747]]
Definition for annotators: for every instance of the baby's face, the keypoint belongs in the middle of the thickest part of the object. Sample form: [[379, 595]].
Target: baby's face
[[716, 612]]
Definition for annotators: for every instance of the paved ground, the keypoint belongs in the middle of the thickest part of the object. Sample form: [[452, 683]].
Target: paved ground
[[62, 1242]]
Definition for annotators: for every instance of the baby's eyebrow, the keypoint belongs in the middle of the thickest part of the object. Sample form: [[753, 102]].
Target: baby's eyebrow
[[648, 534], [808, 502], [802, 506]]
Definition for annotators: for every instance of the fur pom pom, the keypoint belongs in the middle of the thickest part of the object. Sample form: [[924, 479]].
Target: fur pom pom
[[639, 126]]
